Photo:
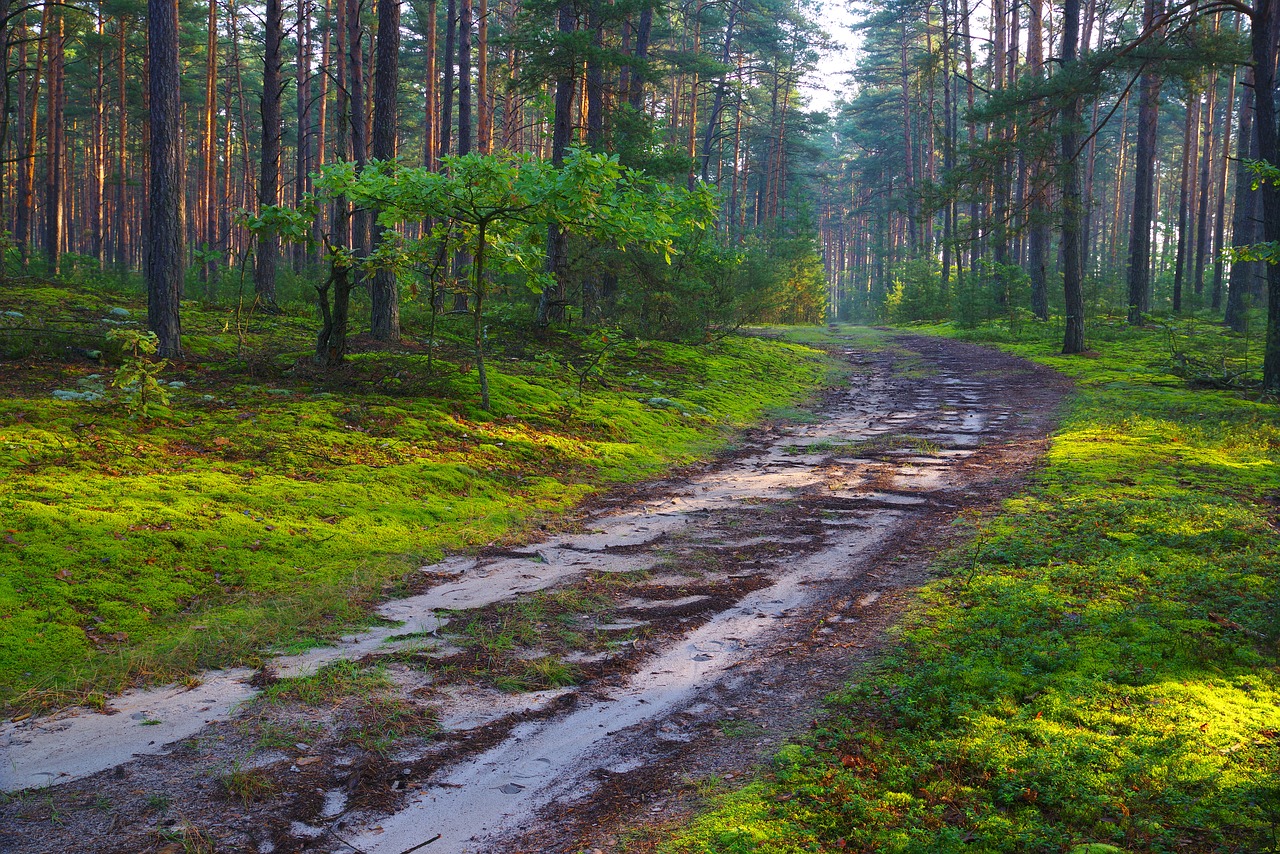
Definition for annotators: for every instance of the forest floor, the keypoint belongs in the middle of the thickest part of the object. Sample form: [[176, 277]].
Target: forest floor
[[1095, 669], [587, 687], [267, 506]]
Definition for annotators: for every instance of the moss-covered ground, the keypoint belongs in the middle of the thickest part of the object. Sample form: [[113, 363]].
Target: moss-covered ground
[[1095, 670], [269, 504]]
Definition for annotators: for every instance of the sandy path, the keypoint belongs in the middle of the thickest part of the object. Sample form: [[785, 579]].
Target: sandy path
[[831, 520]]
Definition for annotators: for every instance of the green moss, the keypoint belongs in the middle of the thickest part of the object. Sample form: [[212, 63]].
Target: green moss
[[1099, 666], [276, 503]]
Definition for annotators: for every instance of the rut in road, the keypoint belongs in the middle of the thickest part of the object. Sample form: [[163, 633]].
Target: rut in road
[[751, 586]]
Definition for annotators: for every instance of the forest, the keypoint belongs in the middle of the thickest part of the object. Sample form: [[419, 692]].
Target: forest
[[1079, 161], [689, 427], [968, 144]]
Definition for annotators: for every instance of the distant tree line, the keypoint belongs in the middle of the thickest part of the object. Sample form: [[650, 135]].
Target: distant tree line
[[1070, 157]]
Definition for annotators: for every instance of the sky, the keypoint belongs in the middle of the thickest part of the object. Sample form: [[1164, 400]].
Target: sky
[[828, 82]]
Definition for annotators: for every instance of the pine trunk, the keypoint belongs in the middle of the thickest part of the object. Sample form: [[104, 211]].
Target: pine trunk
[[385, 292], [264, 273], [1072, 244], [164, 233], [1139, 272]]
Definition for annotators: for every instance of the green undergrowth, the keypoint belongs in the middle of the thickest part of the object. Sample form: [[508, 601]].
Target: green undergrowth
[[269, 504], [1094, 670]]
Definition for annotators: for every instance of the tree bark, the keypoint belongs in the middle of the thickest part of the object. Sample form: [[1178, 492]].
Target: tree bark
[[27, 166], [1244, 223], [551, 301], [1184, 199], [908, 154], [384, 322], [430, 136], [164, 238], [1072, 245], [464, 77], [717, 103], [1220, 190], [264, 273], [1139, 272], [209, 172], [1266, 18], [595, 78], [1205, 184], [637, 72], [55, 143], [302, 113], [484, 99], [357, 108], [446, 94], [97, 176], [1038, 208]]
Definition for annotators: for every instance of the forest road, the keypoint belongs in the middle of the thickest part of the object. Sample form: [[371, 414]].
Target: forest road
[[739, 592], [834, 522]]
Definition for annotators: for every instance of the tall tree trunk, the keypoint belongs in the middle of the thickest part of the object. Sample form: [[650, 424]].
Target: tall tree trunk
[[122, 153], [357, 112], [322, 121], [27, 179], [908, 156], [1038, 234], [694, 80], [1184, 198], [97, 166], [331, 343], [385, 293], [484, 98], [1139, 273], [55, 147], [971, 131], [1244, 223], [164, 220], [247, 186], [464, 77], [1072, 243], [640, 57], [302, 160], [264, 272], [948, 150], [999, 224], [1205, 183], [446, 94], [356, 89], [208, 208], [430, 135], [551, 301], [1220, 192], [1266, 23], [461, 259], [595, 78], [722, 84]]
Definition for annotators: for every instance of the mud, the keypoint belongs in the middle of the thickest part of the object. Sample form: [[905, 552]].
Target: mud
[[727, 601]]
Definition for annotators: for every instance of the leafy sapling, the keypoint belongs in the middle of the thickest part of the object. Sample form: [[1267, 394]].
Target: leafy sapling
[[138, 376]]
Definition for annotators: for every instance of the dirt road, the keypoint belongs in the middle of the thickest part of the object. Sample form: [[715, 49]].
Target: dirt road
[[704, 617]]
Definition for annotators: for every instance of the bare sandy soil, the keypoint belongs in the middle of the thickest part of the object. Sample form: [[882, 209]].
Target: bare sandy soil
[[726, 601]]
